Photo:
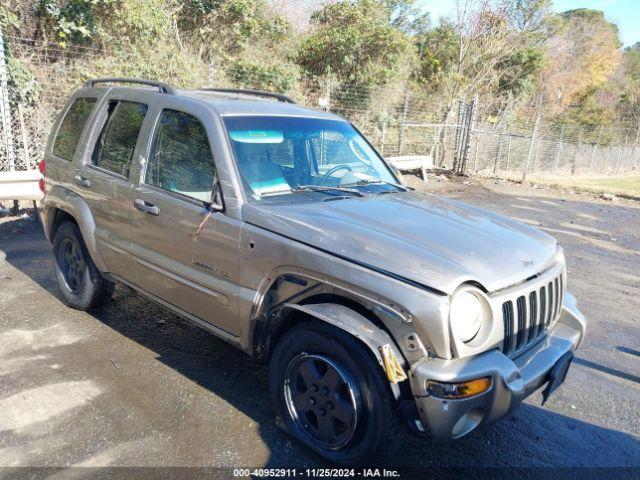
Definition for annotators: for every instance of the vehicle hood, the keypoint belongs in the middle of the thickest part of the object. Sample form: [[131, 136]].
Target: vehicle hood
[[430, 240]]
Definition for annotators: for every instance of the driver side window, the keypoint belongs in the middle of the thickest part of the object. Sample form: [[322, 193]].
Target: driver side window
[[180, 160]]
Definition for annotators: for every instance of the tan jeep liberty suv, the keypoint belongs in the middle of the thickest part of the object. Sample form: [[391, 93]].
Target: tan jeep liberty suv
[[280, 229]]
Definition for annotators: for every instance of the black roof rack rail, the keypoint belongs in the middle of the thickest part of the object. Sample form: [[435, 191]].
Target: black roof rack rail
[[161, 86], [258, 93]]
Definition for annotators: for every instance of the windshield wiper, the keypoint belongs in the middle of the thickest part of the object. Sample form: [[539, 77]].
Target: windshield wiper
[[379, 182], [321, 188], [316, 188]]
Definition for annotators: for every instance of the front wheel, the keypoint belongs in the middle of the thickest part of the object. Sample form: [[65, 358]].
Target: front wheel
[[331, 394], [81, 284]]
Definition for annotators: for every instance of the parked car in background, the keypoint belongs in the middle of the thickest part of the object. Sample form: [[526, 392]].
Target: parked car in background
[[281, 230]]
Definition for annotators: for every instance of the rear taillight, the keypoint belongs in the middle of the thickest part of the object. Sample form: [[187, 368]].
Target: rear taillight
[[42, 166]]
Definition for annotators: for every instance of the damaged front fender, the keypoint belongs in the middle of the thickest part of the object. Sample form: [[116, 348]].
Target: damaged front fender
[[375, 339]]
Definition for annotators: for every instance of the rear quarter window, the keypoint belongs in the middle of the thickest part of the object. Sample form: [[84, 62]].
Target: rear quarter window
[[64, 146]]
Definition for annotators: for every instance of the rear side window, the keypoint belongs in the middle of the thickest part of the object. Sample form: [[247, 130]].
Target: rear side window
[[117, 141], [71, 128], [181, 159]]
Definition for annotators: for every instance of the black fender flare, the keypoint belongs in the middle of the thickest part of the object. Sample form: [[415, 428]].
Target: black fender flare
[[358, 326], [60, 198]]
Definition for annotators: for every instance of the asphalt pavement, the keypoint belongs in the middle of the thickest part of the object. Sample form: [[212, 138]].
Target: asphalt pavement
[[134, 385]]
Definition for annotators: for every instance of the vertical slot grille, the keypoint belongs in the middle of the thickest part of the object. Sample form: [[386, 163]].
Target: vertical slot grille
[[550, 309], [560, 294], [533, 315], [556, 297], [507, 314], [543, 309], [521, 305], [528, 316]]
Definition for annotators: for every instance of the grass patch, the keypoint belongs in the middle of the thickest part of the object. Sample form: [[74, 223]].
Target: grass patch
[[628, 185]]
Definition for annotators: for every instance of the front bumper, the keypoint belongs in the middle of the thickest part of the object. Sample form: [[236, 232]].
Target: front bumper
[[512, 379]]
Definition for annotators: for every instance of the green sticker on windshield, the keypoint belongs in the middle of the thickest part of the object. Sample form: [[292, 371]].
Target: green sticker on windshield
[[257, 136]]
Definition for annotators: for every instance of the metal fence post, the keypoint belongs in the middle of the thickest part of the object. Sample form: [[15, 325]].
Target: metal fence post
[[556, 161], [594, 149], [475, 155], [630, 159], [536, 126], [24, 137], [462, 121], [576, 152], [468, 133], [496, 163], [384, 136], [634, 160], [5, 111], [402, 122], [621, 156]]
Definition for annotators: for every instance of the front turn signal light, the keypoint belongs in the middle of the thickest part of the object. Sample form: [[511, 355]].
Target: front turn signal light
[[458, 390]]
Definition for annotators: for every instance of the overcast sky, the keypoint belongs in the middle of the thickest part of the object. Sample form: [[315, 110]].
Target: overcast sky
[[625, 13]]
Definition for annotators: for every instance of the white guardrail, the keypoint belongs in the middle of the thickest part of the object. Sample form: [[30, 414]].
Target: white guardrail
[[21, 185]]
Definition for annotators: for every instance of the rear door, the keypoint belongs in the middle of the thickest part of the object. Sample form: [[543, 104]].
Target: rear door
[[103, 178], [193, 273]]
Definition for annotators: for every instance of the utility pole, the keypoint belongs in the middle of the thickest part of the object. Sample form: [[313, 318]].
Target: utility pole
[[536, 126]]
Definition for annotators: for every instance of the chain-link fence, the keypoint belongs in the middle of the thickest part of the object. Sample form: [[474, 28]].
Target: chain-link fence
[[467, 136], [38, 80], [555, 149]]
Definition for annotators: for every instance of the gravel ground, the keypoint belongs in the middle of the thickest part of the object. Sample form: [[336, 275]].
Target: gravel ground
[[134, 385]]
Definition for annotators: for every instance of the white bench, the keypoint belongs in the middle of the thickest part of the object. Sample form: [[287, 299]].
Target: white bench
[[412, 162], [20, 185]]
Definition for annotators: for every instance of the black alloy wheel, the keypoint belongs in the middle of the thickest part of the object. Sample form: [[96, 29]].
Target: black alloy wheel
[[330, 393], [82, 285], [322, 399], [71, 263]]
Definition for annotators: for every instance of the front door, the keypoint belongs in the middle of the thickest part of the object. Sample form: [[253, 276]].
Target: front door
[[194, 273]]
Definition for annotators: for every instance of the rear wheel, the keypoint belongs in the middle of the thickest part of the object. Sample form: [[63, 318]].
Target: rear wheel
[[81, 284], [331, 395]]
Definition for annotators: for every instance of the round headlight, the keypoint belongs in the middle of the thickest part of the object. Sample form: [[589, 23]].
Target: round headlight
[[467, 312]]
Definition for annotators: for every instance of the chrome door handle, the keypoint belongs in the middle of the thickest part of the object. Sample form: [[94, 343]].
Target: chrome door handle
[[82, 181], [146, 207]]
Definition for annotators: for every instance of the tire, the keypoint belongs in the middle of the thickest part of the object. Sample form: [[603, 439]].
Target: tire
[[81, 284], [318, 376]]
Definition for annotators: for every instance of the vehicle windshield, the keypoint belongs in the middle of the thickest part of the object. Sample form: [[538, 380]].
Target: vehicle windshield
[[283, 156]]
